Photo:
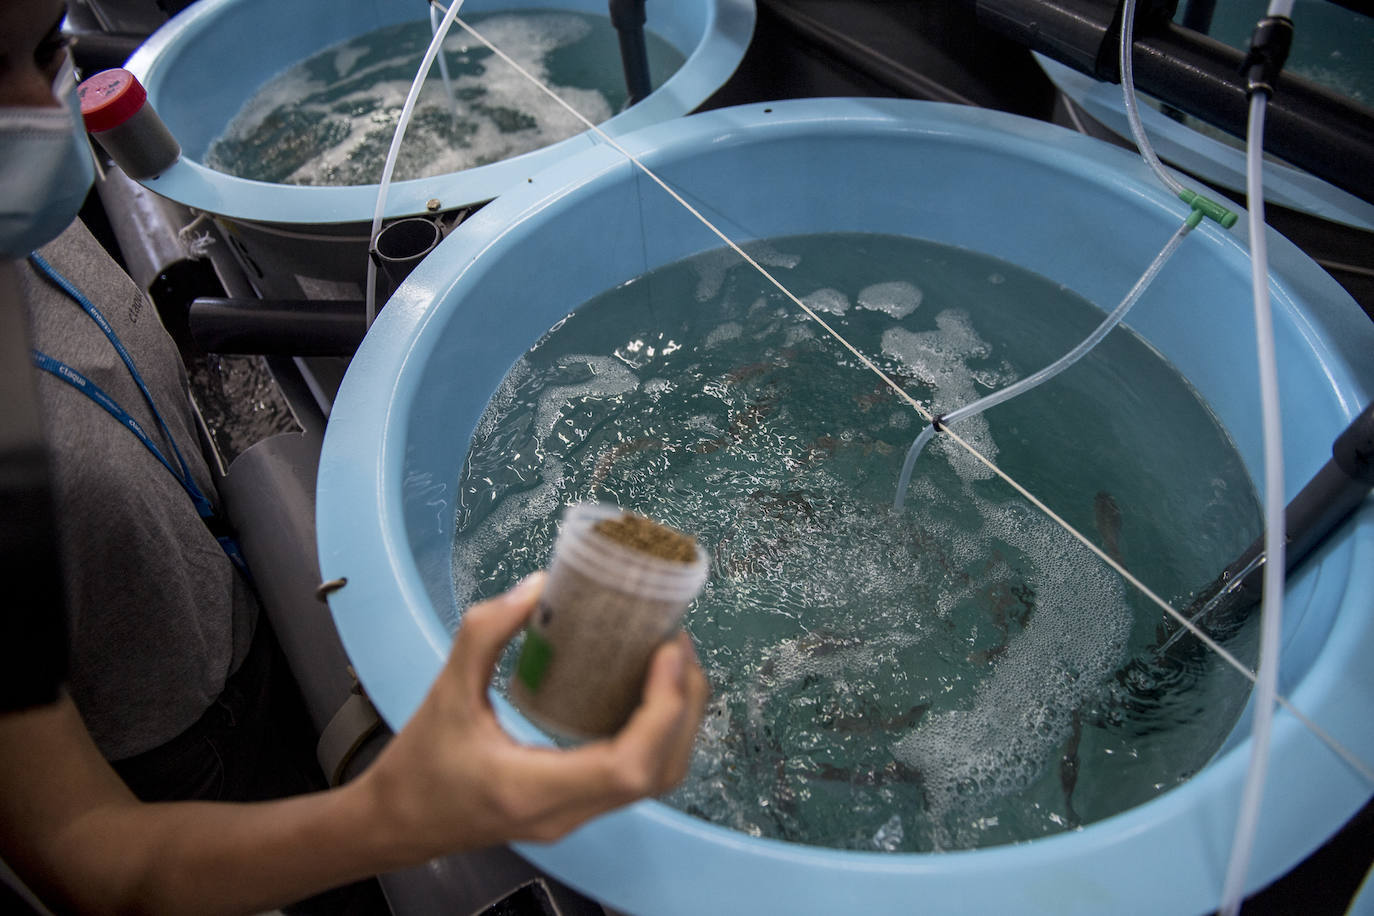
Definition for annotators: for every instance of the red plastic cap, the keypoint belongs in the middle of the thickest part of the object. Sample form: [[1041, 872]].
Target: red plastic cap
[[110, 98]]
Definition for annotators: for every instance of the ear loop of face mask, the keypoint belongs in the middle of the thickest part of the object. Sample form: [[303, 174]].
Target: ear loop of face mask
[[64, 84]]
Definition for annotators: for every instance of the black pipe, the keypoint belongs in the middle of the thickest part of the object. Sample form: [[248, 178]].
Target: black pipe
[[307, 327], [628, 17], [1319, 508], [1309, 126], [1078, 33], [96, 51], [399, 248]]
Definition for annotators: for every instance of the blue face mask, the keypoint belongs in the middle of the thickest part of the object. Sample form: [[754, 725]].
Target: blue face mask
[[45, 169]]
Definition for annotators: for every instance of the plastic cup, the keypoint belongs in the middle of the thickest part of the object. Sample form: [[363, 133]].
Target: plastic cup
[[115, 107], [605, 608]]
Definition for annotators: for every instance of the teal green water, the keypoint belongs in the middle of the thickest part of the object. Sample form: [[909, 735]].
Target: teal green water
[[329, 120], [962, 674], [1332, 46]]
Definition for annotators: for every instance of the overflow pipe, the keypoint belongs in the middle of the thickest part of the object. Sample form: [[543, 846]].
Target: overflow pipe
[[628, 17], [1327, 500]]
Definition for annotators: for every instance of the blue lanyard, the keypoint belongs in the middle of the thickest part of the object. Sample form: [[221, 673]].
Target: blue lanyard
[[93, 391], [182, 472]]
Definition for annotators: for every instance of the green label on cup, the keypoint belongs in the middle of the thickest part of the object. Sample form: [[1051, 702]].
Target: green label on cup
[[535, 656]]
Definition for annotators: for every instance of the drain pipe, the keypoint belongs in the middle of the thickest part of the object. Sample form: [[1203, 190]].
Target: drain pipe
[[399, 247], [1323, 504], [271, 327], [628, 17]]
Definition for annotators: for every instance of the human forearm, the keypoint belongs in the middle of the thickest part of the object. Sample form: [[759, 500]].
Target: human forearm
[[451, 780], [212, 858], [85, 844]]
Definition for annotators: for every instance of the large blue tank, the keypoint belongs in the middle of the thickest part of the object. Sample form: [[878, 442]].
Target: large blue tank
[[1050, 201], [204, 64]]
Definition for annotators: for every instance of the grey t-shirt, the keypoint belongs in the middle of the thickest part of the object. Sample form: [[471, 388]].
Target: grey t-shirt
[[158, 617]]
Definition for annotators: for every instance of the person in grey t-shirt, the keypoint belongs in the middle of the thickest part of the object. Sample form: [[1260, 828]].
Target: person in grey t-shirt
[[158, 617]]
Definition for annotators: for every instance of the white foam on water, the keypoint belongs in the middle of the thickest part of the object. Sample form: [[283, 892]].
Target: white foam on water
[[791, 660], [703, 423], [609, 378], [1005, 738], [278, 92], [940, 359], [728, 330], [796, 334], [827, 300], [890, 835], [501, 402], [712, 266], [832, 656], [473, 549], [897, 299], [500, 112]]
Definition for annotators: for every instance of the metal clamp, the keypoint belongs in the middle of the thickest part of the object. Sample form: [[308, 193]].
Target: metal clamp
[[325, 589]]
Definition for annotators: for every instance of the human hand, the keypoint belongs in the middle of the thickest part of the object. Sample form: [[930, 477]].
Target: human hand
[[452, 779]]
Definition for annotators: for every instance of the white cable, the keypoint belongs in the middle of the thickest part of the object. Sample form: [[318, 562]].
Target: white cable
[[1271, 612], [1271, 609], [1142, 141], [371, 292], [1054, 368]]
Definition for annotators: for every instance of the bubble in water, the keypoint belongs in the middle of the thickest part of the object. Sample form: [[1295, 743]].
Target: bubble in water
[[1017, 716], [498, 531], [329, 120], [889, 835], [727, 330], [896, 299], [712, 267], [504, 399], [797, 334], [949, 360], [604, 378], [827, 300]]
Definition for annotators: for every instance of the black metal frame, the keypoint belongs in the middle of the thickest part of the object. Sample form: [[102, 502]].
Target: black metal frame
[[1313, 128]]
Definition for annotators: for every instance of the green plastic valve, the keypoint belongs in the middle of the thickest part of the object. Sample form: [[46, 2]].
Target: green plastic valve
[[1209, 208]]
